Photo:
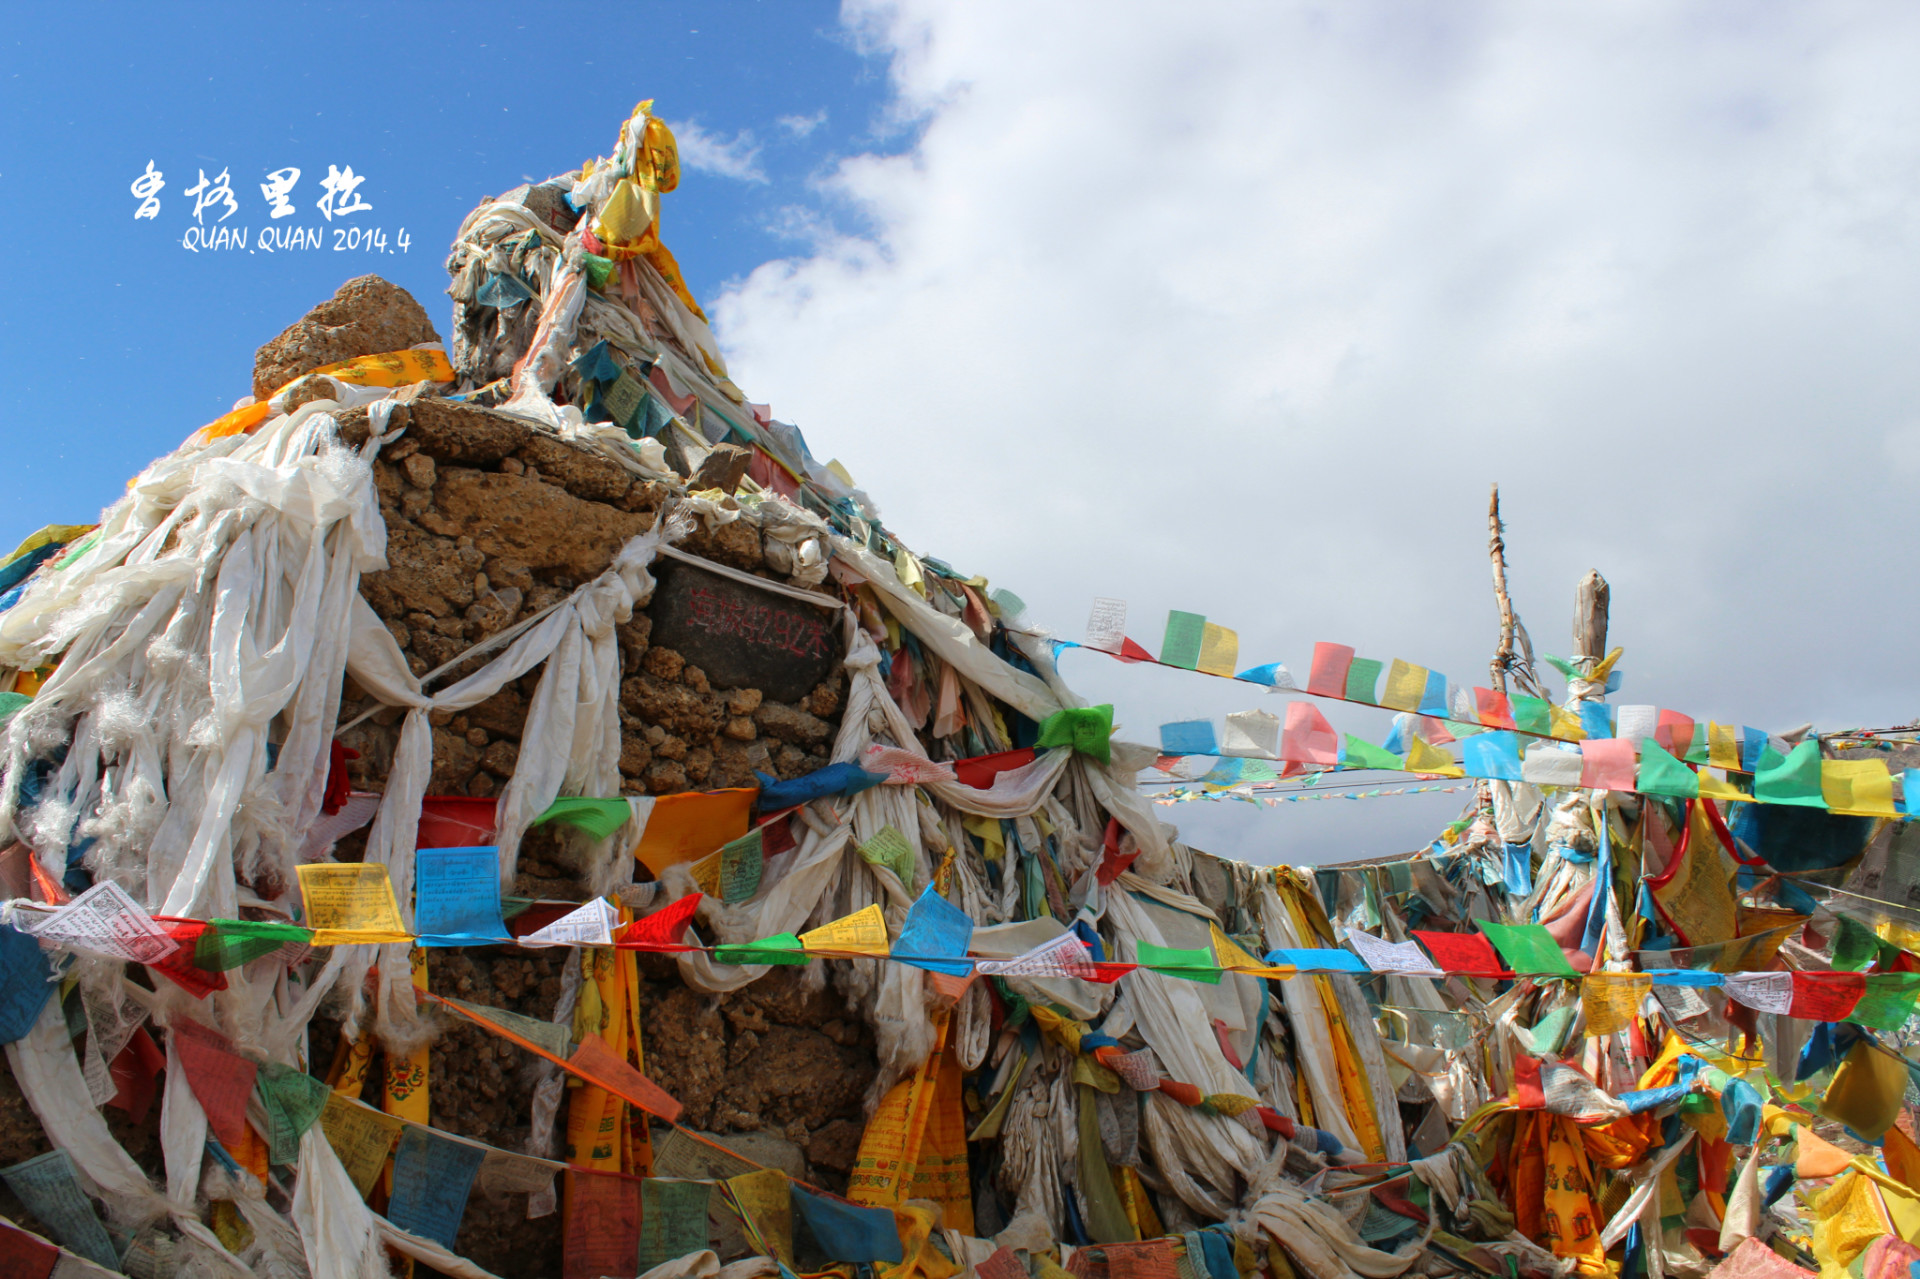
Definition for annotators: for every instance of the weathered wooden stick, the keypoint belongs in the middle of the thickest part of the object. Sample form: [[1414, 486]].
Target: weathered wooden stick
[[1497, 551], [1590, 619]]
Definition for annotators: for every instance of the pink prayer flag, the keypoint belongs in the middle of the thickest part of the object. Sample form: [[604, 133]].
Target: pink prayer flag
[[1607, 764], [1308, 738], [1674, 732], [1434, 730], [1329, 674]]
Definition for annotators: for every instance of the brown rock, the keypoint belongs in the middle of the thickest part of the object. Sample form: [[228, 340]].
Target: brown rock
[[744, 701], [699, 763], [735, 544], [500, 758], [835, 1146], [366, 316], [539, 525], [694, 716], [826, 699], [790, 724], [503, 714], [634, 757], [664, 776], [741, 728], [723, 468], [419, 470], [454, 760], [505, 573], [426, 575], [664, 662], [584, 474]]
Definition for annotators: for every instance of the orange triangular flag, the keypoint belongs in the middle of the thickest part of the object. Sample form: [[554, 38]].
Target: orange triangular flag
[[1817, 1157]]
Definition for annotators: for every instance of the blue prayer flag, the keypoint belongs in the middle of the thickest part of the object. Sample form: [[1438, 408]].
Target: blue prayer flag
[[1189, 737], [935, 928], [456, 894]]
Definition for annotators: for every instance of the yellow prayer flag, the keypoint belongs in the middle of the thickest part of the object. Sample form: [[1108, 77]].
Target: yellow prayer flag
[[862, 933], [1859, 786], [1849, 1217], [1229, 955], [1406, 686], [350, 902], [1723, 746], [1713, 786], [765, 1199], [1612, 1000], [1422, 758], [1563, 725], [1219, 650]]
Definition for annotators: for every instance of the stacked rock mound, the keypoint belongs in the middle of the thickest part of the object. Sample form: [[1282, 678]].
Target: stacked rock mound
[[516, 811]]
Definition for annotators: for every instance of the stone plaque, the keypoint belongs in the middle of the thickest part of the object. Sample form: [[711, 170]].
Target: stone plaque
[[741, 636]]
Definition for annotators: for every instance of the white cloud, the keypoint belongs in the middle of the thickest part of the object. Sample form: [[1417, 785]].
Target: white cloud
[[737, 157], [801, 126], [1238, 308]]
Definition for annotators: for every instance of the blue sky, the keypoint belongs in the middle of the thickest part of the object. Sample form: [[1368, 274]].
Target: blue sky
[[117, 341]]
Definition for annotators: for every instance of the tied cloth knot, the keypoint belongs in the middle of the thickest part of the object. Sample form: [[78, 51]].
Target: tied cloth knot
[[1088, 730]]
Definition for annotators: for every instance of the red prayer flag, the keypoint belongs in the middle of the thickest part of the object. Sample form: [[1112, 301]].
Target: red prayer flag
[[1112, 862], [1132, 652], [178, 967], [1494, 708], [1826, 996], [597, 1061], [25, 1256], [1467, 954], [603, 1224], [1527, 1091], [662, 930], [1328, 675], [134, 1072], [221, 1079], [980, 771]]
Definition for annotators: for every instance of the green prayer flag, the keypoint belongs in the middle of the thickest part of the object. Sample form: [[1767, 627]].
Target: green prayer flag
[[1363, 677], [1532, 714], [554, 1036], [599, 270], [1364, 754], [1194, 965], [741, 864], [1529, 949], [890, 848], [293, 1100], [1697, 749], [229, 943], [1088, 730], [1888, 1002], [673, 1219], [10, 704], [783, 949], [598, 817], [1794, 780], [1181, 645], [1662, 774], [1854, 945]]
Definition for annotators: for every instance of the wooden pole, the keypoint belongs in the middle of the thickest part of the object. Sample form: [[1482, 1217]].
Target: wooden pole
[[1497, 552], [1590, 619]]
